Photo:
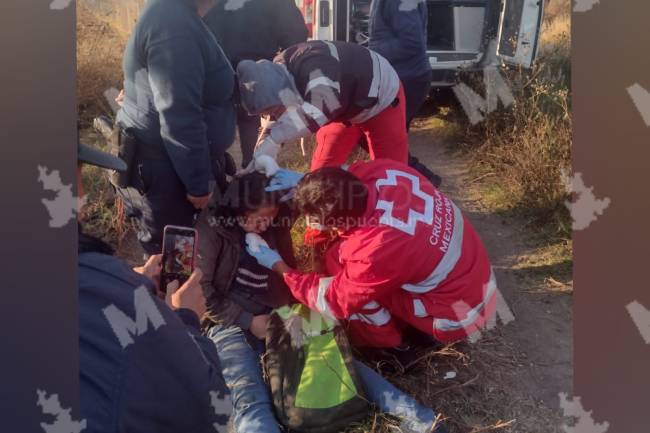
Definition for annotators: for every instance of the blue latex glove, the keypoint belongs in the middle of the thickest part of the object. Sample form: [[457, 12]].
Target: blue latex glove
[[284, 179], [265, 256]]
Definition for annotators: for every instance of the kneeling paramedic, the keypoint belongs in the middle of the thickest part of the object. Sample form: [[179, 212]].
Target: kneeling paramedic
[[405, 255]]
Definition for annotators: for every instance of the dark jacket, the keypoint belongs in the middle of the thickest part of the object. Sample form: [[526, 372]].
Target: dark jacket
[[178, 87], [218, 255], [160, 375], [400, 36], [258, 29], [326, 81]]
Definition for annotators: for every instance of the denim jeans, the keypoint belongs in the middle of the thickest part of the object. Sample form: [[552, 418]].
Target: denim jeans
[[239, 353]]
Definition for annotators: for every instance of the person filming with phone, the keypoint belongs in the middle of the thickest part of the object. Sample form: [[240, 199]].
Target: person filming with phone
[[144, 366]]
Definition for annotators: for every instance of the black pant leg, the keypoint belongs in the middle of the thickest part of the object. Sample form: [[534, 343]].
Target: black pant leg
[[157, 199], [416, 91], [249, 127]]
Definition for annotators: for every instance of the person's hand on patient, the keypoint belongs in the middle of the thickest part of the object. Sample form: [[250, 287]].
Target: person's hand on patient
[[265, 154], [189, 295], [284, 179], [258, 326], [265, 256]]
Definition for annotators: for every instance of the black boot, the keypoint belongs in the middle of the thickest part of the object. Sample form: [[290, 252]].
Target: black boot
[[424, 171]]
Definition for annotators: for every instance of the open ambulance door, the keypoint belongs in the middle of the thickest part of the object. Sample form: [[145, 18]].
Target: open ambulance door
[[520, 24], [318, 18]]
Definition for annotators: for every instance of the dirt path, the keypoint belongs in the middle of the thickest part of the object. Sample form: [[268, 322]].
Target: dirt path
[[541, 333]]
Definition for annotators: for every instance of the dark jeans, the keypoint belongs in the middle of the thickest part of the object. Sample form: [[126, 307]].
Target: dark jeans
[[156, 199], [249, 129], [416, 91]]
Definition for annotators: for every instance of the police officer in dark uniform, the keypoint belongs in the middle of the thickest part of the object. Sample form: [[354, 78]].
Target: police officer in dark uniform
[[178, 88]]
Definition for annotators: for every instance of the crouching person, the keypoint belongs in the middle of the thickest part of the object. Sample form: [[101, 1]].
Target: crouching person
[[406, 255]]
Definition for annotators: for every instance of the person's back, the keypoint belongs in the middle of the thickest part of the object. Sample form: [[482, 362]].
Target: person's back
[[256, 30], [142, 369], [400, 35], [363, 82], [406, 254]]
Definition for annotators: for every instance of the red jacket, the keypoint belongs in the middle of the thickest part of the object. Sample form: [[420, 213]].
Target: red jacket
[[416, 255]]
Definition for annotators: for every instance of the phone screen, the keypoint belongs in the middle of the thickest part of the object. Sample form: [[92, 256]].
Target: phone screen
[[178, 254]]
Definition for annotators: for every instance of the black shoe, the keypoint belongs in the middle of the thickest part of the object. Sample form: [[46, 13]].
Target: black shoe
[[424, 171], [390, 361]]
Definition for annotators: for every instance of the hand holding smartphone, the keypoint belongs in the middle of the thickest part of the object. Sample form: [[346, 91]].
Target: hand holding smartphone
[[179, 250]]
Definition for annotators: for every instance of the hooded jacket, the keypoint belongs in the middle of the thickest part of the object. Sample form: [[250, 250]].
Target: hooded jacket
[[318, 82]]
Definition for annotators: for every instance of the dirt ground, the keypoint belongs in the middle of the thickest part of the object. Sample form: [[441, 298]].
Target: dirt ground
[[509, 380], [539, 340]]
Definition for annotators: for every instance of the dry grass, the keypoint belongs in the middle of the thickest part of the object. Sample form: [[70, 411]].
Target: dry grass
[[102, 215], [523, 149], [480, 398], [100, 46]]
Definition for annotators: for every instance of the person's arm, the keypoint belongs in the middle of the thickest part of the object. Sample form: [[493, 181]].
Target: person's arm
[[176, 74], [318, 82], [359, 282], [289, 24], [407, 29], [177, 368]]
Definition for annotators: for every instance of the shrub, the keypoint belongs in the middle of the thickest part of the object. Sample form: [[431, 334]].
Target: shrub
[[528, 145]]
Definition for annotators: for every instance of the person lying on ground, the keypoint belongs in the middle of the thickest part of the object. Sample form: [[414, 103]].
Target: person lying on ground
[[241, 293], [406, 256], [144, 366]]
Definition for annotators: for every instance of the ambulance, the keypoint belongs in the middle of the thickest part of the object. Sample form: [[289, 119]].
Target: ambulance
[[462, 35]]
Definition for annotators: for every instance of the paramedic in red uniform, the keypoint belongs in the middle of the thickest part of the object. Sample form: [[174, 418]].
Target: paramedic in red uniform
[[406, 255], [338, 90]]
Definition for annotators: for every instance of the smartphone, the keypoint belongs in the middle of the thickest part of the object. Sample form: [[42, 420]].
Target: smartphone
[[179, 250]]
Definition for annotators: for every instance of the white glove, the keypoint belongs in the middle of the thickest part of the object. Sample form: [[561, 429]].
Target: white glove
[[266, 165], [266, 152], [267, 146]]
